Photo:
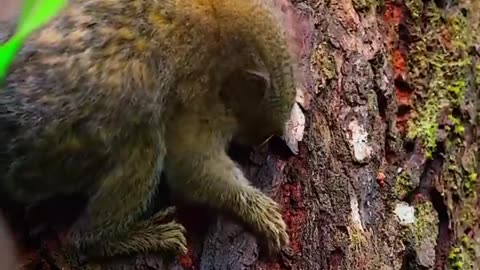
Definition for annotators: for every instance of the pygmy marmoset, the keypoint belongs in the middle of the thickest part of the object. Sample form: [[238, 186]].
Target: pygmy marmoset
[[112, 91]]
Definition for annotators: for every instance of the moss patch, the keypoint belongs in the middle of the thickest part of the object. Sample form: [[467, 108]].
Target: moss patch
[[444, 72], [426, 223], [462, 256], [438, 67], [422, 234], [403, 185], [415, 8], [324, 63], [364, 5]]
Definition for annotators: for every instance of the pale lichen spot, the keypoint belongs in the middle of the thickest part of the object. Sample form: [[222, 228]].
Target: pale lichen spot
[[300, 96], [356, 220], [405, 213], [295, 128], [359, 141]]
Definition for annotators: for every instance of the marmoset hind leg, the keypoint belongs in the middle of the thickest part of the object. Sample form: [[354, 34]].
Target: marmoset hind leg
[[112, 225], [199, 170]]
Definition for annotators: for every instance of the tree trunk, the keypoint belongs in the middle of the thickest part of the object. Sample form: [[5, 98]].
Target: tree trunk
[[380, 169]]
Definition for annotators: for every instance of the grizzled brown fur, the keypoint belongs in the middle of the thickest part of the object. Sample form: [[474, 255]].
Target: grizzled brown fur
[[112, 91]]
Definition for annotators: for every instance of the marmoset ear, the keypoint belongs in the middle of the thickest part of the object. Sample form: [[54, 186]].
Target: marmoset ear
[[246, 88], [261, 79]]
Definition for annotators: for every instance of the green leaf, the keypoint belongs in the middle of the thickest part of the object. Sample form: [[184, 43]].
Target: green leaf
[[35, 14]]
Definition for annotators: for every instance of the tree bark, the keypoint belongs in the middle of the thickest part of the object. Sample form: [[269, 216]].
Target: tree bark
[[380, 168]]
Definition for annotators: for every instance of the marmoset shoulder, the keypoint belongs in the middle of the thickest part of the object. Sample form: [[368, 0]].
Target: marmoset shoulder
[[112, 91]]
